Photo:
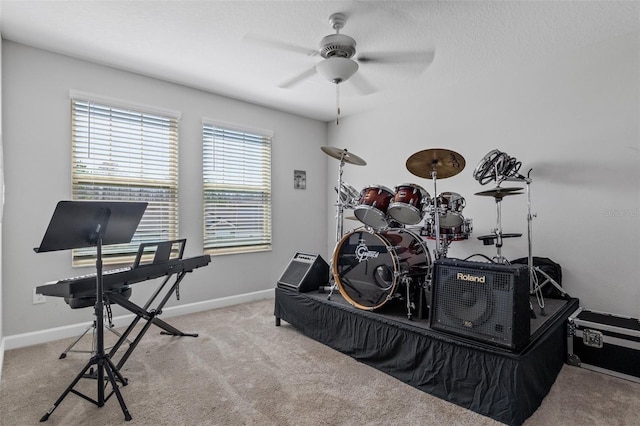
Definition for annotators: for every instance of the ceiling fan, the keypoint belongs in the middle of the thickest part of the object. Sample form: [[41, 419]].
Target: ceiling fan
[[339, 59]]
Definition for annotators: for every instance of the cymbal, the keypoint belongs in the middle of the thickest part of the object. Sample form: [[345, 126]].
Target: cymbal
[[499, 192], [343, 154], [444, 162]]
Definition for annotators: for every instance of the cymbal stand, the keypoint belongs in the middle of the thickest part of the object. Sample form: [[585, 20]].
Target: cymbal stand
[[499, 258], [339, 224], [534, 286], [444, 246], [339, 204], [436, 208]]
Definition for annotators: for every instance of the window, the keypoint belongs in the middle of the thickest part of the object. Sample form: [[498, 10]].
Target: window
[[121, 153], [237, 189]]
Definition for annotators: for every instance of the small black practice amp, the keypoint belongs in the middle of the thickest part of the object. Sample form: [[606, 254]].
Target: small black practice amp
[[488, 302], [305, 272]]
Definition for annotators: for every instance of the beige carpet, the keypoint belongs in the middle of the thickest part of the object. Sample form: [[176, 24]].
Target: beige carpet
[[243, 370]]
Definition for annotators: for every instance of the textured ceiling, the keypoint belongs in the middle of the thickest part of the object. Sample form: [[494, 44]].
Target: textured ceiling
[[204, 44]]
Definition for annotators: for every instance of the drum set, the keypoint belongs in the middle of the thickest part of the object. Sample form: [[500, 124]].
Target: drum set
[[387, 257]]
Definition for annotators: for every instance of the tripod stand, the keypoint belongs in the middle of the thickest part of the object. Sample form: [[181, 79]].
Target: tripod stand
[[85, 224], [345, 157], [535, 287]]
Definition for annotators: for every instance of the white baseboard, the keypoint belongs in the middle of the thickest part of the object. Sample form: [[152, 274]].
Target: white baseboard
[[1, 357], [51, 334]]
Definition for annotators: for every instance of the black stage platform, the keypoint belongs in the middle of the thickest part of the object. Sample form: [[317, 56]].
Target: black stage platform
[[504, 385]]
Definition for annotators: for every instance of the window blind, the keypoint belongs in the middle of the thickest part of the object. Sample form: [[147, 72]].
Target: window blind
[[237, 189], [122, 154]]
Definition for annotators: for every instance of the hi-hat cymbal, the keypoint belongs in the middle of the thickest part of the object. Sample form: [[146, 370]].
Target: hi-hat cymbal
[[444, 162], [343, 154], [499, 192]]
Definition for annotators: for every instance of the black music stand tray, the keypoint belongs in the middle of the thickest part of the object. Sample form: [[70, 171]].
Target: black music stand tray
[[78, 224]]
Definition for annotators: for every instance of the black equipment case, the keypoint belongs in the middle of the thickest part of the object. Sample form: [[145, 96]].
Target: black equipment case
[[605, 343]]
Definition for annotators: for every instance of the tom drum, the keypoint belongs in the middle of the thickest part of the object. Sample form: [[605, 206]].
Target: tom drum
[[372, 206], [408, 202]]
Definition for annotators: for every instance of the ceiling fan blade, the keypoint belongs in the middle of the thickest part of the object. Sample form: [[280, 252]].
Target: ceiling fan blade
[[277, 44], [361, 84], [425, 56], [297, 78]]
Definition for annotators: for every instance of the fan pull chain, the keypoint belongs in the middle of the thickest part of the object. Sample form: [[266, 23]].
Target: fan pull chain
[[338, 103]]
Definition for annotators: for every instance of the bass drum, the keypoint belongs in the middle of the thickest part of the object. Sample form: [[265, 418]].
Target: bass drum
[[368, 266]]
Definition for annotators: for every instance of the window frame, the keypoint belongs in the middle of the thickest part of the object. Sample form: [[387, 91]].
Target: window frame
[[143, 166], [244, 215]]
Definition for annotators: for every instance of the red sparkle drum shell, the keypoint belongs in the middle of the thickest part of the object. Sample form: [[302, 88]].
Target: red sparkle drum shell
[[372, 206], [407, 204], [368, 266]]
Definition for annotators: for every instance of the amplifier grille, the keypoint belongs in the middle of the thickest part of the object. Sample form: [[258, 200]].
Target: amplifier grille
[[482, 301]]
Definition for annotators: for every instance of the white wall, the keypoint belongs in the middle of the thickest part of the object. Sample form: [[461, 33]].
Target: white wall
[[573, 119], [1, 214], [37, 141]]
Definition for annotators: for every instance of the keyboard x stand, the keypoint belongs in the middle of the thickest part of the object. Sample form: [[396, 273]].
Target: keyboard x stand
[[149, 315]]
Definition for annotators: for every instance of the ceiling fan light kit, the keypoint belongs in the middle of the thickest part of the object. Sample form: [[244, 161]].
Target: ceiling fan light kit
[[337, 69]]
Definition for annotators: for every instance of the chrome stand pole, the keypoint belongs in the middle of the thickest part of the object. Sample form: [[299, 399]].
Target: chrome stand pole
[[534, 286], [339, 227]]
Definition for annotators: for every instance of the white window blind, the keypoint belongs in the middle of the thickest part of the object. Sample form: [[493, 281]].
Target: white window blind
[[237, 189], [121, 154]]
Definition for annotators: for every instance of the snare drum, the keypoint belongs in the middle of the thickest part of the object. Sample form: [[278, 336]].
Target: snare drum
[[408, 202], [372, 206], [448, 232], [369, 266]]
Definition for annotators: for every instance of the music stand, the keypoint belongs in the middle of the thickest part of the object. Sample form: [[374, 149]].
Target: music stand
[[78, 224]]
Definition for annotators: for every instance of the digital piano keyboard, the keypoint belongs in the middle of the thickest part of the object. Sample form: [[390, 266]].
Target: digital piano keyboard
[[86, 285]]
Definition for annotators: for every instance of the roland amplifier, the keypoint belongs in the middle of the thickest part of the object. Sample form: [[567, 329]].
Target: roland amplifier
[[305, 272], [488, 302]]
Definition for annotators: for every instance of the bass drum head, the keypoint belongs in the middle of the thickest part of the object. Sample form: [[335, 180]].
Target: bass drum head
[[366, 265]]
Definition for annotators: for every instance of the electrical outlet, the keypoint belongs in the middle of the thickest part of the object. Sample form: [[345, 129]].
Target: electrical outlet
[[38, 298]]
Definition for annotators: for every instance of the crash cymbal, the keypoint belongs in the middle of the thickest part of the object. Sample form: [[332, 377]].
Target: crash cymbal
[[343, 154], [444, 162], [499, 192]]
